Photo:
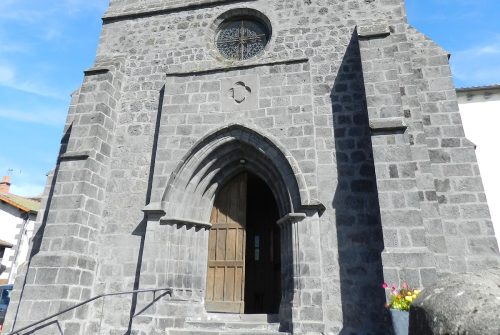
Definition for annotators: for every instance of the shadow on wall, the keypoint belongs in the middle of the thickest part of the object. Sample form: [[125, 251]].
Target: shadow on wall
[[359, 230], [37, 239], [38, 236], [140, 230]]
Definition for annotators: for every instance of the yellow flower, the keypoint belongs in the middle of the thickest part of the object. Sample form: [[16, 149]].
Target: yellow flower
[[414, 296], [409, 298], [417, 291]]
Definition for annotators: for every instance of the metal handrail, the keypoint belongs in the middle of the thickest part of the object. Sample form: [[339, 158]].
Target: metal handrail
[[17, 331]]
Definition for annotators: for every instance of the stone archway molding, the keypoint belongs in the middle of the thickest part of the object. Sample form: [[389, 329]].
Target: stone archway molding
[[220, 155]]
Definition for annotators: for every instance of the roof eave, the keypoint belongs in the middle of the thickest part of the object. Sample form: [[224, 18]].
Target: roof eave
[[16, 205], [478, 88]]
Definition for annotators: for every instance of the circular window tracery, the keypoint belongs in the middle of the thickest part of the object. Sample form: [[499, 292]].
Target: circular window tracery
[[241, 38]]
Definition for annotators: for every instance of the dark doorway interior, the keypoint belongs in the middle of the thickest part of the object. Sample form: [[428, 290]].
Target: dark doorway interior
[[262, 260]]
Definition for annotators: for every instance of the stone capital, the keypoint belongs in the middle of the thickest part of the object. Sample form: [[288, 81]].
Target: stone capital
[[185, 222], [153, 209], [374, 29], [291, 218]]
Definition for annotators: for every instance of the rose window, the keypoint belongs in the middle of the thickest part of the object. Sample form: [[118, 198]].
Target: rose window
[[240, 39]]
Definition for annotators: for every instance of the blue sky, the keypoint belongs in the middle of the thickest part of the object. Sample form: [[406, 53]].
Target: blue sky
[[46, 44]]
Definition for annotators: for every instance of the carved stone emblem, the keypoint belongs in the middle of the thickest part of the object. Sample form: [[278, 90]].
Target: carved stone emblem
[[240, 92]]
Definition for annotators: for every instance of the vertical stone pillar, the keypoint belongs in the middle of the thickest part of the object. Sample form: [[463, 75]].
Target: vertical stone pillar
[[175, 256], [405, 256], [420, 167], [465, 234], [301, 309], [63, 262]]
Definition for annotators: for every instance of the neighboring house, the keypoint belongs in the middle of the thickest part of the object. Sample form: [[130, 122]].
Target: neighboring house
[[3, 245], [17, 217], [480, 111]]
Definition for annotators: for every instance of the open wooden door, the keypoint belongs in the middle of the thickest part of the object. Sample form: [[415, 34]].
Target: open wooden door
[[226, 249]]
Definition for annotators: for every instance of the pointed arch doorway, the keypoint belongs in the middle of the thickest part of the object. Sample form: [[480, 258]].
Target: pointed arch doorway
[[244, 268]]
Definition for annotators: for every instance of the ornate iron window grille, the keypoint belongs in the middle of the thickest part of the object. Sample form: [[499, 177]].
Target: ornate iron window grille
[[241, 39]]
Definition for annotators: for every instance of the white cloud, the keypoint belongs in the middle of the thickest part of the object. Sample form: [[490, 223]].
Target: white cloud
[[27, 182], [15, 12], [27, 189], [478, 65], [7, 46], [6, 74], [75, 6], [488, 50], [37, 89], [52, 34], [45, 116], [29, 11], [42, 23], [9, 78]]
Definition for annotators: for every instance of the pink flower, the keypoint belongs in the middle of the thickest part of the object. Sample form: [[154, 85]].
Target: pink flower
[[384, 285], [405, 286]]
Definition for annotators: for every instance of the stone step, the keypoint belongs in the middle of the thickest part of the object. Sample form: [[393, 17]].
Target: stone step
[[239, 317], [229, 324], [243, 325], [222, 332]]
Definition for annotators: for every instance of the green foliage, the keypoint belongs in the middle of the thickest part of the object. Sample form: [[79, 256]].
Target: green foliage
[[401, 298]]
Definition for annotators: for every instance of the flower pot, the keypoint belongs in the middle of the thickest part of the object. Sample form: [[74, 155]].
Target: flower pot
[[400, 321]]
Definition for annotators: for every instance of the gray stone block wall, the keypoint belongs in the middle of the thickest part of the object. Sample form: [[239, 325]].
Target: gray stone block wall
[[63, 262], [466, 228], [351, 120], [399, 176]]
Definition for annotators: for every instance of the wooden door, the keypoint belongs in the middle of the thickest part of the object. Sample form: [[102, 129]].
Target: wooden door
[[226, 249]]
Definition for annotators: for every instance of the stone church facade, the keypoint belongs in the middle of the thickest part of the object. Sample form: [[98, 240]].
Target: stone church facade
[[253, 157]]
